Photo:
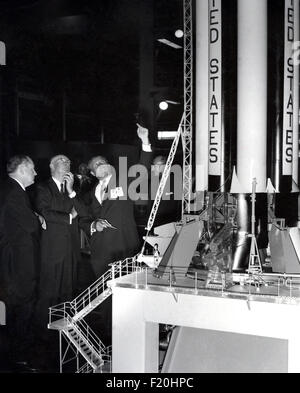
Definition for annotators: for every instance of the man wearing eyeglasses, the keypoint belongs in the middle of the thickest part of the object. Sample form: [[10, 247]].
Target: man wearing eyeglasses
[[111, 223], [57, 202], [113, 228]]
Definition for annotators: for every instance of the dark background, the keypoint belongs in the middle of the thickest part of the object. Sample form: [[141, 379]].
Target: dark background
[[79, 74]]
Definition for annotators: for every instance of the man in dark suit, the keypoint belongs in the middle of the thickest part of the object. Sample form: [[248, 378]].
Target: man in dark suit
[[57, 202], [19, 236], [112, 224]]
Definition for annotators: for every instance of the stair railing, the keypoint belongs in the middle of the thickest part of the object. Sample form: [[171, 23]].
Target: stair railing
[[65, 313], [117, 269], [90, 336], [85, 368]]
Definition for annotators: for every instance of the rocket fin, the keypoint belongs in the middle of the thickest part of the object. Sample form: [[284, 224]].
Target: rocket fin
[[270, 188], [236, 187]]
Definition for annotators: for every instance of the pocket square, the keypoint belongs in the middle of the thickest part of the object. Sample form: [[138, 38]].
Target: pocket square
[[116, 192]]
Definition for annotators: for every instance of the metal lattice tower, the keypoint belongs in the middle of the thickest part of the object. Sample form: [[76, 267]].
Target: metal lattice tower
[[165, 176], [187, 130]]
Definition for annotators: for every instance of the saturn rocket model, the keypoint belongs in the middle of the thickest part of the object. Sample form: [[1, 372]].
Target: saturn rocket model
[[247, 105]]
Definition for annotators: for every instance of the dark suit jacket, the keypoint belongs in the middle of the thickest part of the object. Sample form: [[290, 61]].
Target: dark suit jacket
[[60, 244], [113, 244], [19, 231]]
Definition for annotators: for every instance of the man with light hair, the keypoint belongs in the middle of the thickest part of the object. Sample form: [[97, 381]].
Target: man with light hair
[[57, 202]]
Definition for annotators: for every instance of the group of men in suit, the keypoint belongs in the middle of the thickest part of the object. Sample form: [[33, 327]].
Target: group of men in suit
[[40, 244]]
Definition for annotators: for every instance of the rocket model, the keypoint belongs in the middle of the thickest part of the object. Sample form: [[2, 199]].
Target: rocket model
[[247, 105]]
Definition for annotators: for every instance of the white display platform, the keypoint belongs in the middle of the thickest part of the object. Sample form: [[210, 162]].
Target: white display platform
[[139, 306]]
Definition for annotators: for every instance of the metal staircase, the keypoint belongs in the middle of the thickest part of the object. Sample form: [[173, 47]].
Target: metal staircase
[[67, 318], [92, 356]]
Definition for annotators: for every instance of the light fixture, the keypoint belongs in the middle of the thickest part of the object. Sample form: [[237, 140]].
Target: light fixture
[[169, 43], [166, 135], [163, 105], [172, 102], [179, 33], [2, 53]]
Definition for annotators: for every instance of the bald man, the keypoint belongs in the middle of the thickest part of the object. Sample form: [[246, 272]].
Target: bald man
[[114, 230], [112, 225]]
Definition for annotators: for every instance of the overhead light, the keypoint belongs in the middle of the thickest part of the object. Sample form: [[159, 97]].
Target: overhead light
[[2, 53], [165, 135], [169, 43], [163, 105], [179, 33]]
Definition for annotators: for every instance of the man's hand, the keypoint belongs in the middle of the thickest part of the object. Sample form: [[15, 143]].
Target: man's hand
[[143, 134], [74, 213], [69, 180], [101, 224], [41, 220]]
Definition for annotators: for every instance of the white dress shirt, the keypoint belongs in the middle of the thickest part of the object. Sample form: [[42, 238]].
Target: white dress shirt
[[99, 190], [72, 195], [58, 183]]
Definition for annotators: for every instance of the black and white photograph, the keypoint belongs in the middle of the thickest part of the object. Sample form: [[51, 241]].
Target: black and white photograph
[[149, 189]]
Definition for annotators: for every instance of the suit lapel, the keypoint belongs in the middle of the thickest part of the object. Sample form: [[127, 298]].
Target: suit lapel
[[56, 191], [53, 187], [108, 202], [101, 209], [106, 206], [19, 190], [22, 193]]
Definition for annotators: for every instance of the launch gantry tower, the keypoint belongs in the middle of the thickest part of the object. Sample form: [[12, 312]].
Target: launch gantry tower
[[185, 129]]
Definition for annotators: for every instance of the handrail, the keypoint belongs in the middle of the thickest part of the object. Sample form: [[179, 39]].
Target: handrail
[[118, 268], [85, 368], [68, 310], [81, 327], [90, 333]]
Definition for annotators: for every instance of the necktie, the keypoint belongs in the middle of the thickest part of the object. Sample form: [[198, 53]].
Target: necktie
[[62, 188]]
